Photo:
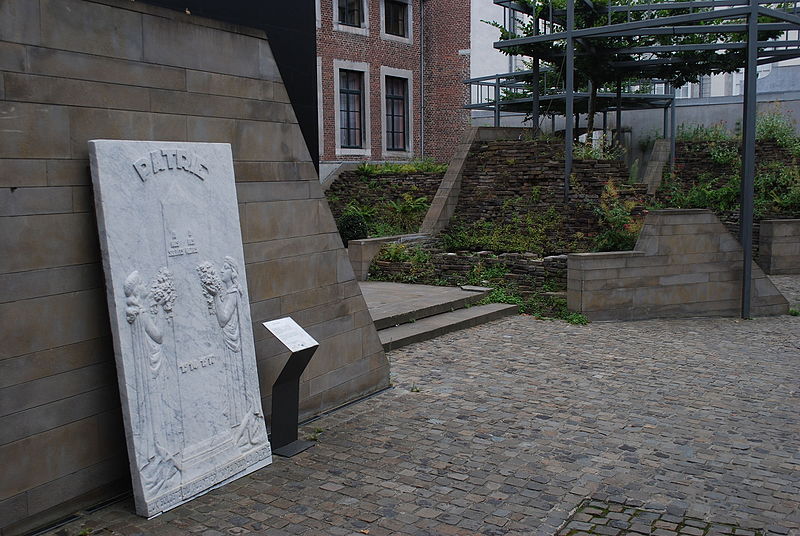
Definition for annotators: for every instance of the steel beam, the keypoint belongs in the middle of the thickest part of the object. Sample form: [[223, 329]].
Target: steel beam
[[614, 29], [570, 96], [748, 156]]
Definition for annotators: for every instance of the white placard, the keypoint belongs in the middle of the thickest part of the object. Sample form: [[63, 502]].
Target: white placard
[[290, 334]]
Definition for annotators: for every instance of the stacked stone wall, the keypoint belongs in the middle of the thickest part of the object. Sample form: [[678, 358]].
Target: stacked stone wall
[[373, 189], [526, 271], [693, 159], [501, 177]]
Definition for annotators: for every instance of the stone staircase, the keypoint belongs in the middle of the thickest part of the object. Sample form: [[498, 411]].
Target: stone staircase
[[405, 314]]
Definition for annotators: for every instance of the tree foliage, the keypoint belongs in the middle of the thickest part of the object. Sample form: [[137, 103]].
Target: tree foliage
[[595, 56]]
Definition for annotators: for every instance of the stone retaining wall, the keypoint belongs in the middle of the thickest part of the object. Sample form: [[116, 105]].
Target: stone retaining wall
[[685, 264], [503, 181], [370, 190], [526, 270], [694, 158], [780, 246]]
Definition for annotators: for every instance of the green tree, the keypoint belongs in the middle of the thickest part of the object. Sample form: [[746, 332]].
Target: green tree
[[595, 57]]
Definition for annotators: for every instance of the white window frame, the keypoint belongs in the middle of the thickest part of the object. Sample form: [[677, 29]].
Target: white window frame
[[409, 76], [345, 65], [360, 30], [409, 23]]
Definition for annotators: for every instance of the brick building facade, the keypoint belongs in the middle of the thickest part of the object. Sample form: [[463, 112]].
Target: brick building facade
[[390, 79]]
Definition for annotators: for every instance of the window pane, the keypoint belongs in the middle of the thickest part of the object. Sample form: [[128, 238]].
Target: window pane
[[350, 12], [350, 103], [396, 113], [396, 14]]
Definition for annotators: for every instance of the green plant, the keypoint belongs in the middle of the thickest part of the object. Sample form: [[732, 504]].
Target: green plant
[[352, 226], [414, 388], [482, 274], [619, 228], [724, 153], [776, 191], [576, 318], [775, 125], [408, 204], [394, 252], [353, 208], [314, 436], [698, 132], [426, 165], [520, 232], [794, 312]]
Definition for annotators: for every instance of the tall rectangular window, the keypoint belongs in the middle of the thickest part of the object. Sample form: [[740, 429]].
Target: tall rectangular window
[[396, 113], [396, 14], [350, 12], [351, 105]]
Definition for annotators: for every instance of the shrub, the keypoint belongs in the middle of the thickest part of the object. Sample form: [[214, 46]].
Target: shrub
[[776, 126], [619, 228], [724, 153], [426, 165], [352, 226], [698, 132]]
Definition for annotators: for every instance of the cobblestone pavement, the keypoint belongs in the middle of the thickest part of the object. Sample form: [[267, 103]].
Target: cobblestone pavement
[[509, 427], [612, 518]]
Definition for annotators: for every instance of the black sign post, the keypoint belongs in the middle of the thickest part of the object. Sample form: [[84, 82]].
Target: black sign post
[[286, 389]]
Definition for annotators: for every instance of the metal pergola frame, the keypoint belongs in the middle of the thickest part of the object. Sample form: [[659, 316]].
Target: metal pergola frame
[[704, 17]]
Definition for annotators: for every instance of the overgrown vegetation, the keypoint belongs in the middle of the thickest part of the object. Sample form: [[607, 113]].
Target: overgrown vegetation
[[524, 231], [619, 227], [689, 132], [776, 184], [779, 127], [376, 200], [597, 150], [426, 165], [547, 302]]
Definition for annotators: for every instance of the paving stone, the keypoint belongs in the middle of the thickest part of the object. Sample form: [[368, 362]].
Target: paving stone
[[695, 390]]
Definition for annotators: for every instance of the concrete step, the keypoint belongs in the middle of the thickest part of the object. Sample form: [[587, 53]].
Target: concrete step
[[424, 302], [434, 326]]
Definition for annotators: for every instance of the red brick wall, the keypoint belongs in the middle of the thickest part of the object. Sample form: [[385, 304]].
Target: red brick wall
[[340, 45], [447, 27], [447, 31]]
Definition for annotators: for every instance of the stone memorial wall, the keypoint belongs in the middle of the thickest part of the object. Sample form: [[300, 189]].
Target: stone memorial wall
[[76, 70]]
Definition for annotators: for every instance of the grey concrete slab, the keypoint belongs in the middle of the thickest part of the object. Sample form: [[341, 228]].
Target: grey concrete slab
[[396, 303], [440, 324]]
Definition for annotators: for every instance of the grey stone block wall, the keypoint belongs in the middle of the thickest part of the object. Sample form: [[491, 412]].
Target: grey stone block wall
[[74, 70], [779, 246], [685, 264]]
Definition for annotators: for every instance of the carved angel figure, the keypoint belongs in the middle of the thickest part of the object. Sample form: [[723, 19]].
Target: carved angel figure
[[245, 410], [142, 306]]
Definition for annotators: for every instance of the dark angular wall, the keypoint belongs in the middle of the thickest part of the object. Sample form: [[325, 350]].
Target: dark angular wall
[[291, 31]]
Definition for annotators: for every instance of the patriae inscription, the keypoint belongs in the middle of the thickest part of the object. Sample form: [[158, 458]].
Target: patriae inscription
[[180, 317], [170, 158]]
